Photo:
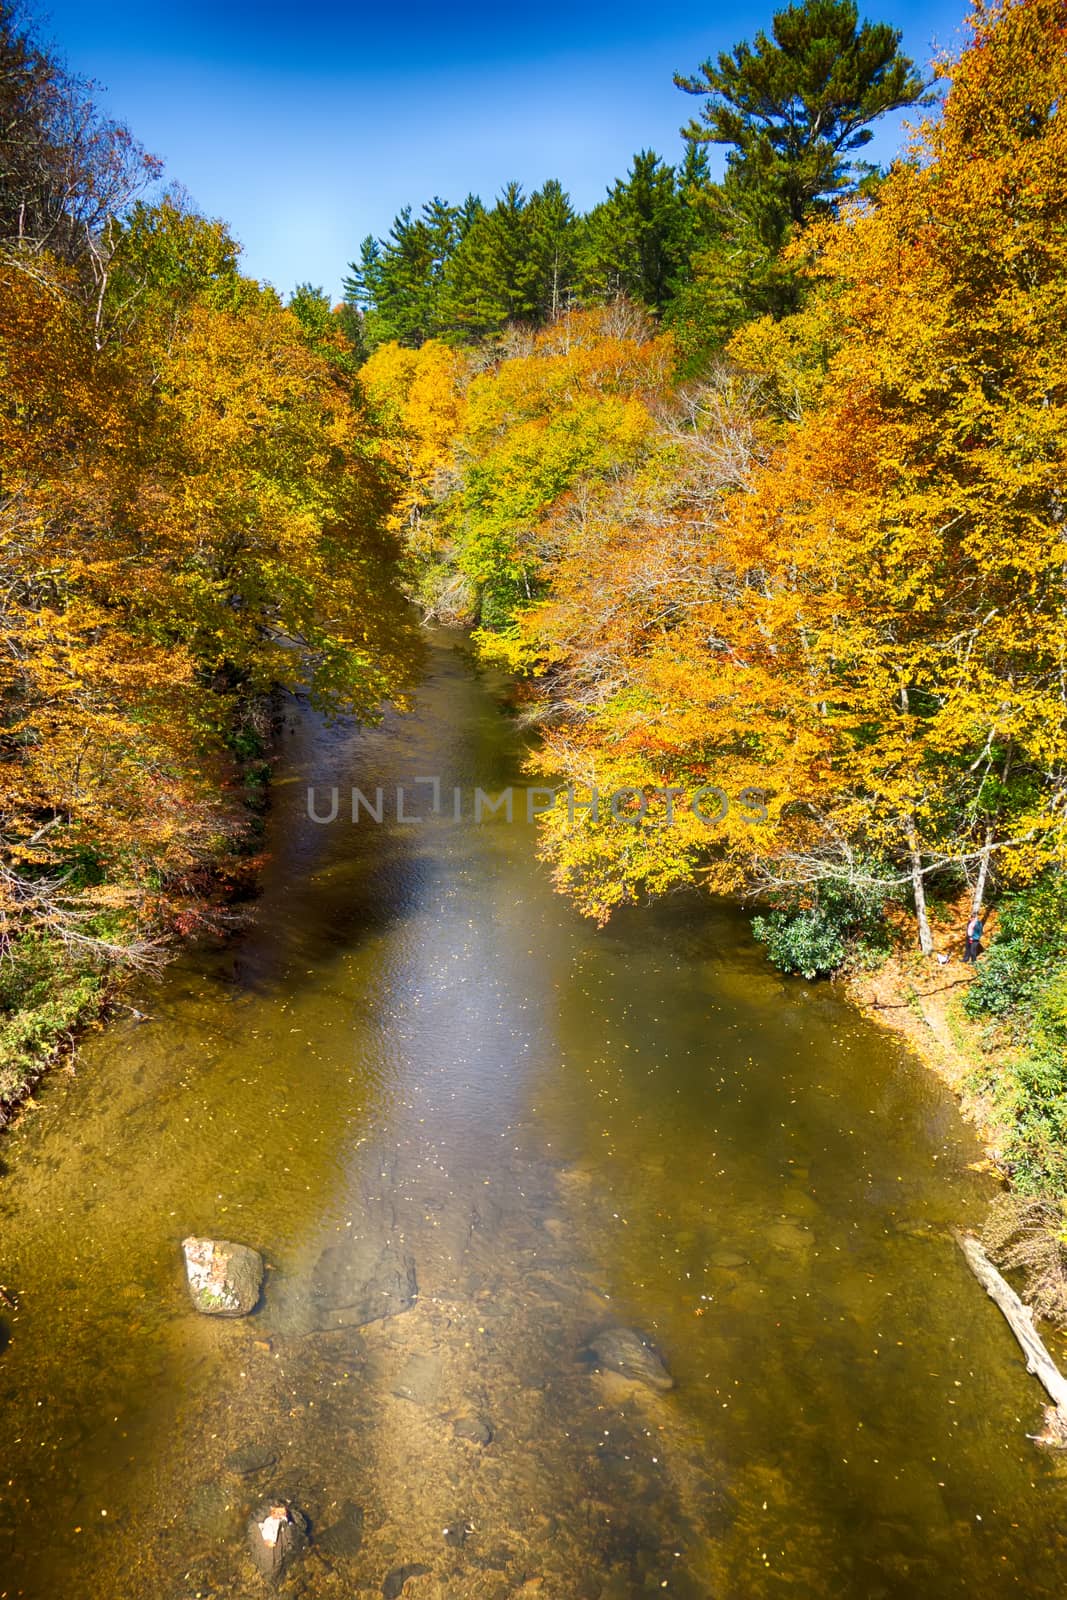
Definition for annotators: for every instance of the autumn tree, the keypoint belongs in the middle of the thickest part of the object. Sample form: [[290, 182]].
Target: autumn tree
[[418, 401], [539, 427], [65, 168], [837, 582], [193, 510]]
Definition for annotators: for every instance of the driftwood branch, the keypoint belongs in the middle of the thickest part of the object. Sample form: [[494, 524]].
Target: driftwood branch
[[1020, 1320]]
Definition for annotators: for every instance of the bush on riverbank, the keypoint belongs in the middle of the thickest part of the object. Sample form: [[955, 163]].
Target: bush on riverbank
[[44, 997], [840, 925], [1021, 988]]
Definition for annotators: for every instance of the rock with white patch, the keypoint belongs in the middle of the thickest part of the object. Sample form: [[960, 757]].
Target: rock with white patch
[[277, 1534], [225, 1279]]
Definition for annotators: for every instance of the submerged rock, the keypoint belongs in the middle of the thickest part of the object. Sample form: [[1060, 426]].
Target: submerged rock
[[419, 1379], [474, 1429], [728, 1260], [790, 1236], [248, 1459], [394, 1583], [361, 1281], [277, 1534], [213, 1511], [225, 1279], [344, 1537], [624, 1351]]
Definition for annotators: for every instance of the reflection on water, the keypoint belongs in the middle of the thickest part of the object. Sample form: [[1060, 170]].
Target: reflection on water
[[417, 1058]]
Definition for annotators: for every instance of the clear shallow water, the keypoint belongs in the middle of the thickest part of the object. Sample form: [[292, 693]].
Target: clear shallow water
[[416, 1042]]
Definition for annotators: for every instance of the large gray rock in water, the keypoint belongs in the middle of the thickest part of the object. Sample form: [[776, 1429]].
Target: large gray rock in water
[[277, 1534], [622, 1350], [225, 1279], [394, 1583], [361, 1280], [344, 1537]]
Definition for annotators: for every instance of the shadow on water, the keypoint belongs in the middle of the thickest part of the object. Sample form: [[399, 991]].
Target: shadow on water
[[480, 1144]]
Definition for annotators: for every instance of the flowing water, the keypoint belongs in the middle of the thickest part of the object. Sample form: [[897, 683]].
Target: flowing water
[[415, 1052]]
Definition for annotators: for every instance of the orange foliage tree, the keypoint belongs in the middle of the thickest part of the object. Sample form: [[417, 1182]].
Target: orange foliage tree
[[192, 510], [848, 594]]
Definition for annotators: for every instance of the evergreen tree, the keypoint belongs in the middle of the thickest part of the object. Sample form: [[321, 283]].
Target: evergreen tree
[[552, 234], [635, 240], [397, 281], [363, 290], [797, 108], [491, 279]]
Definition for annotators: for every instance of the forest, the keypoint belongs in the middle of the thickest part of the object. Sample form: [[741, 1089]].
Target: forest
[[752, 482]]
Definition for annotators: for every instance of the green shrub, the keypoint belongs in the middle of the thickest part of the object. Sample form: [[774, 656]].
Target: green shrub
[[1030, 947], [43, 998], [1022, 982], [843, 924]]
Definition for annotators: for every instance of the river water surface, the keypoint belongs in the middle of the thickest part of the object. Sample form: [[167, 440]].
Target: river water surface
[[416, 1053]]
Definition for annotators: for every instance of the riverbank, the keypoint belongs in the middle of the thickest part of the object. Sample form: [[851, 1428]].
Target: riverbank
[[55, 990], [920, 999], [1002, 1058]]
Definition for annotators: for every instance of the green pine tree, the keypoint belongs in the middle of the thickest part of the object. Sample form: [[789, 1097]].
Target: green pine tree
[[397, 281], [491, 280], [635, 241], [795, 110], [551, 229]]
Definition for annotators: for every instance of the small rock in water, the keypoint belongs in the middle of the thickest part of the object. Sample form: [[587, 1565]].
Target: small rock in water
[[790, 1236], [250, 1458], [225, 1279], [474, 1429], [277, 1534], [394, 1583], [728, 1260], [458, 1531], [345, 1536], [624, 1351]]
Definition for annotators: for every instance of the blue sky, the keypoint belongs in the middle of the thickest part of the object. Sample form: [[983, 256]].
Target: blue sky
[[307, 128]]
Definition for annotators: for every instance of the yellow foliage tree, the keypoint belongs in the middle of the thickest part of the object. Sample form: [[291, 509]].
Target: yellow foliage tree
[[857, 605]]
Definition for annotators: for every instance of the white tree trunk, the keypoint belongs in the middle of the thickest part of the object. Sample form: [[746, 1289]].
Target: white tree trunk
[[983, 872], [926, 942], [1020, 1320]]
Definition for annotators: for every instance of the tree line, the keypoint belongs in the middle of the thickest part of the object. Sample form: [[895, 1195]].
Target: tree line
[[192, 514], [793, 111]]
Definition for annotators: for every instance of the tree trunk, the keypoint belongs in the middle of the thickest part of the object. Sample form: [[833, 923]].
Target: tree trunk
[[926, 942], [983, 872], [1020, 1320]]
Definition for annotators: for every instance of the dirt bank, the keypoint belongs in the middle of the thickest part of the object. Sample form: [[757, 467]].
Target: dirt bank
[[921, 999]]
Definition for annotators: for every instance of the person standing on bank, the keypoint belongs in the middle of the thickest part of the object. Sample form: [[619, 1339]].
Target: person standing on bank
[[974, 937]]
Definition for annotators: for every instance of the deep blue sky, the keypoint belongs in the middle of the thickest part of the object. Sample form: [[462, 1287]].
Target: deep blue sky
[[308, 127]]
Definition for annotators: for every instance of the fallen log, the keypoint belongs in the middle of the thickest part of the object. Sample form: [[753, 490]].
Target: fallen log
[[1020, 1320]]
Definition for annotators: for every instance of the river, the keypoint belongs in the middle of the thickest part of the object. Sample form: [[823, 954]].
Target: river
[[416, 1046]]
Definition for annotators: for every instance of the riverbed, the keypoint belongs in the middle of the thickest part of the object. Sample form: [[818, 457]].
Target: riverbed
[[416, 1047]]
